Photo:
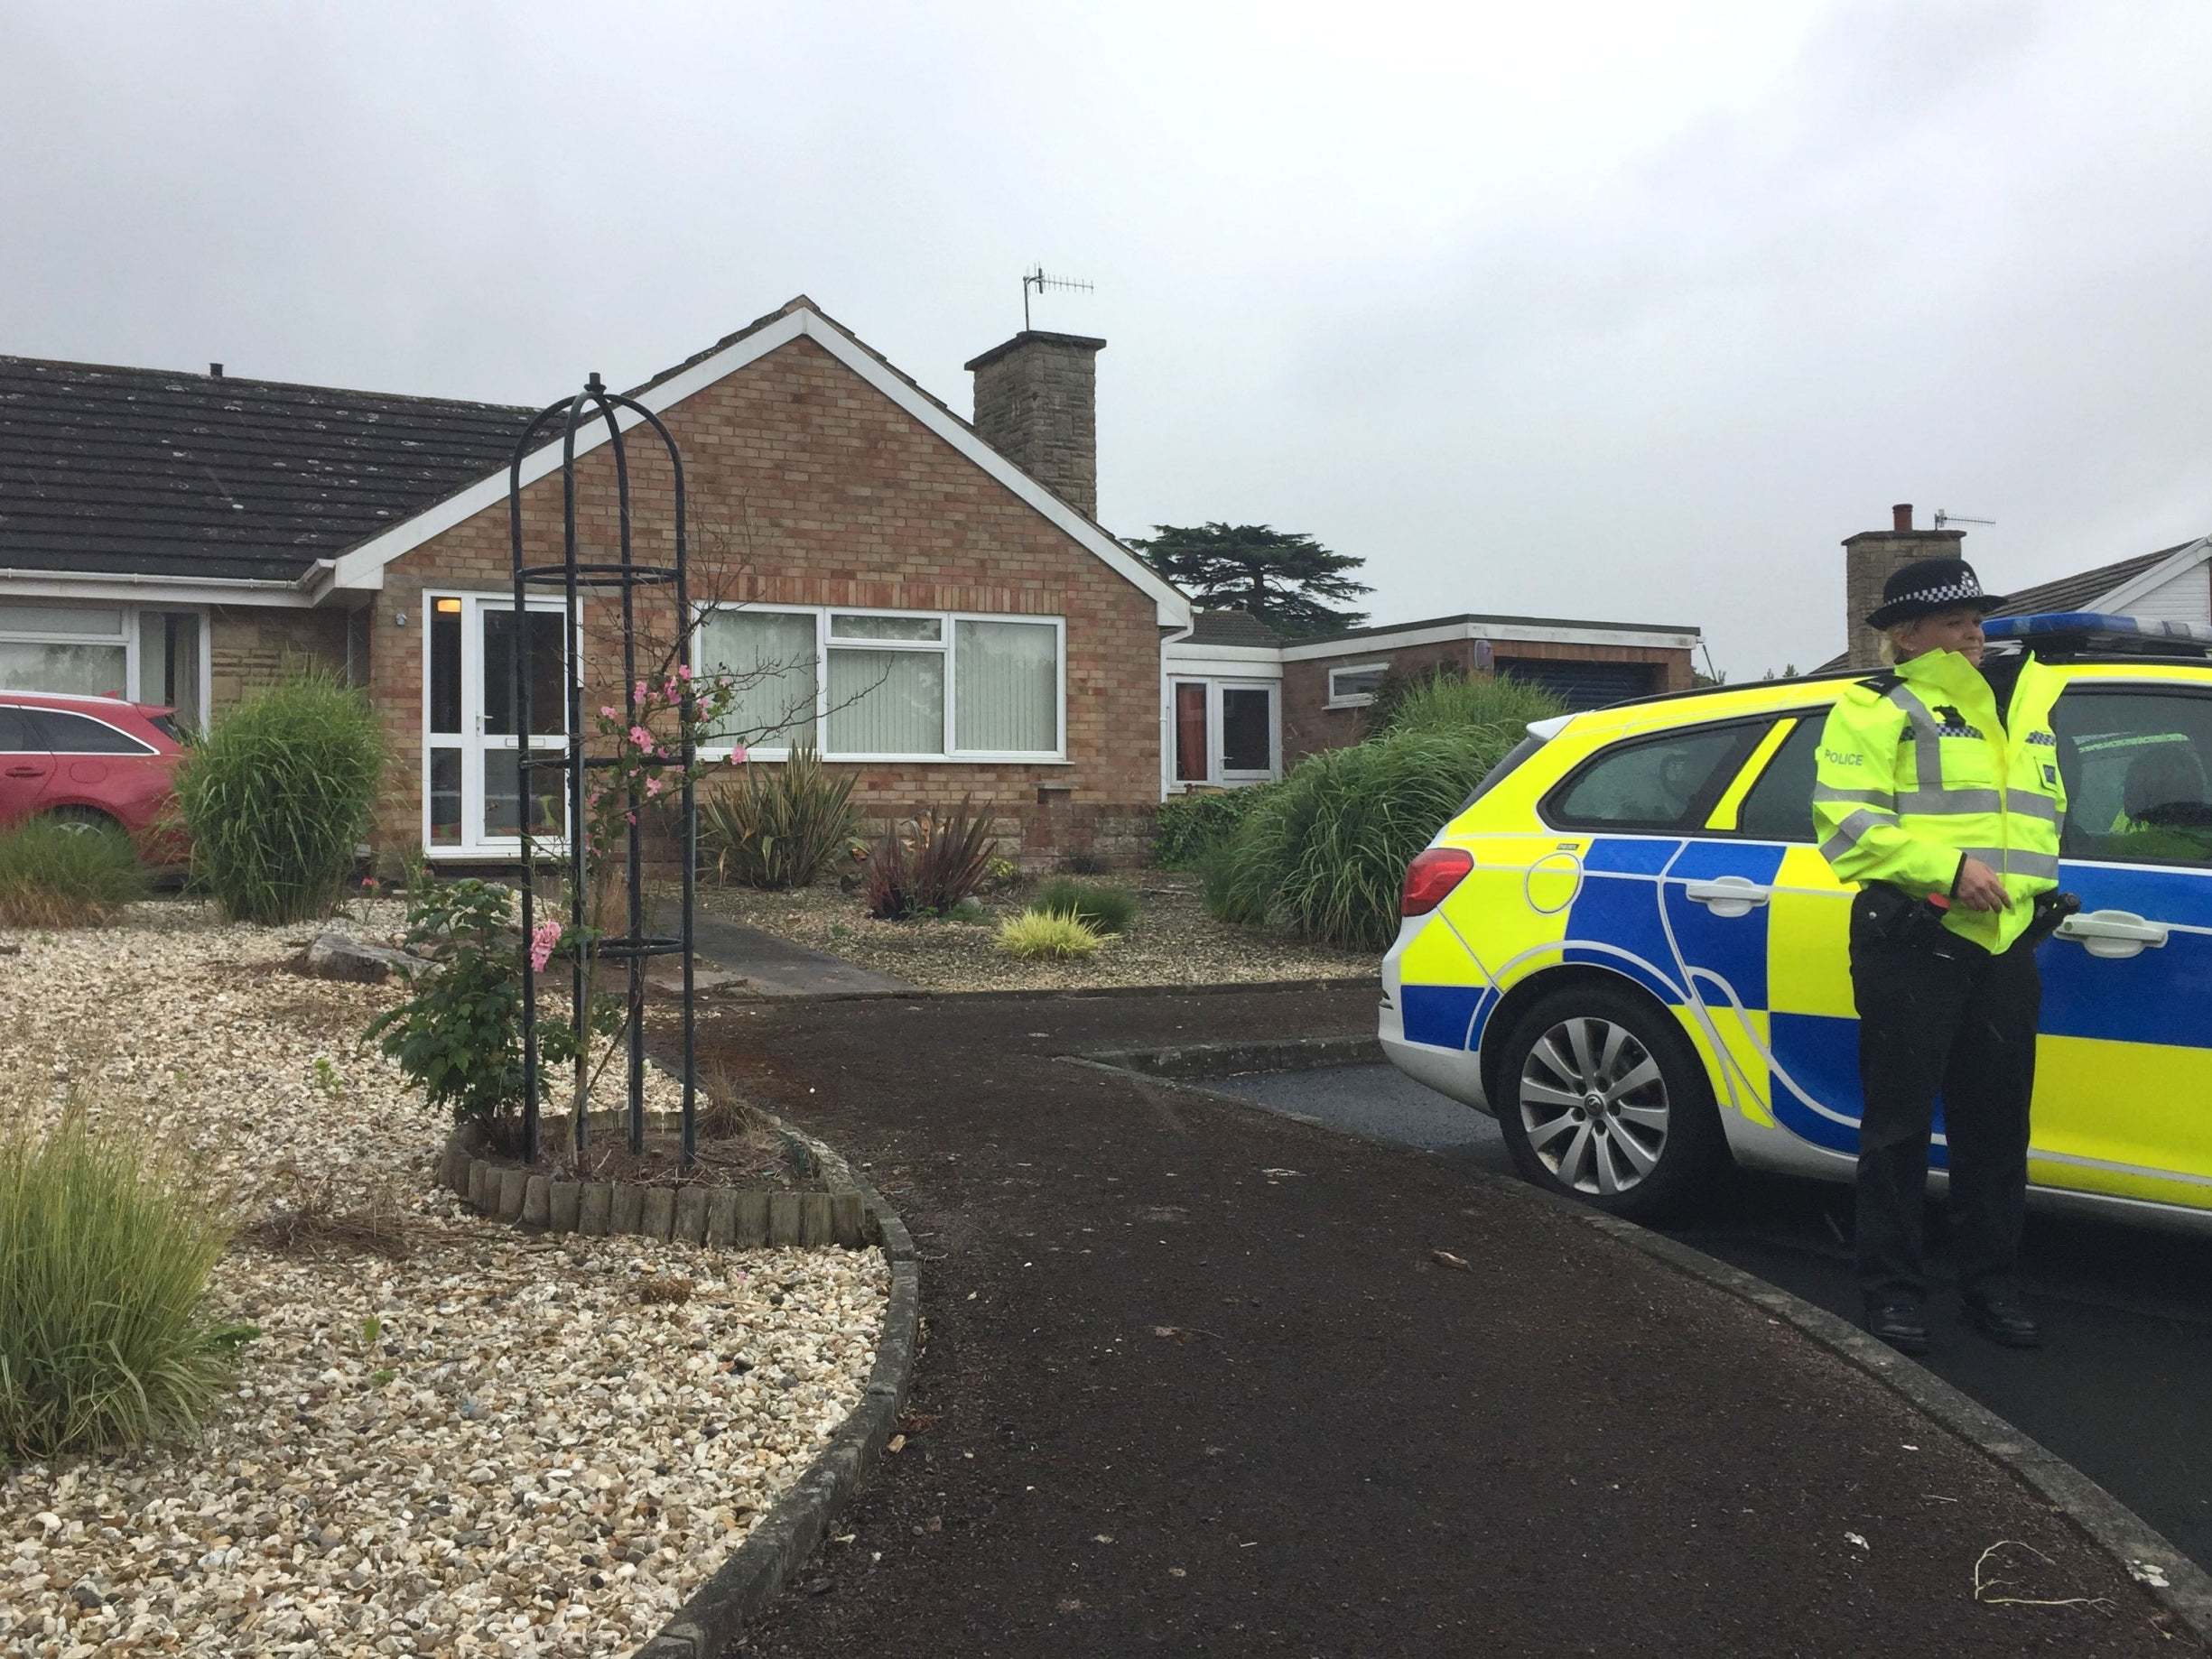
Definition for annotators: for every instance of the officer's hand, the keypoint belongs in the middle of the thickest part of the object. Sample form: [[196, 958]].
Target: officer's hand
[[1979, 887]]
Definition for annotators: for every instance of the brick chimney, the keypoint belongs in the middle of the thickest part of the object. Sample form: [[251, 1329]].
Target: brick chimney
[[1869, 558], [1036, 403]]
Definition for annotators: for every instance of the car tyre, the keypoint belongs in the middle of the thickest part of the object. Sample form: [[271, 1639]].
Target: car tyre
[[83, 819], [1602, 1098]]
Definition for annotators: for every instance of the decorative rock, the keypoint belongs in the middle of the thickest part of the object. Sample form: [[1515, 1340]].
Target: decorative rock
[[334, 955], [567, 1204], [691, 1215], [723, 1218], [783, 1217], [513, 1183], [536, 1203], [629, 1211], [660, 1212], [752, 1223], [596, 1211], [814, 1217]]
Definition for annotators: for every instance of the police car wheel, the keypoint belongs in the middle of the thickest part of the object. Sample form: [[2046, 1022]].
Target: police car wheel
[[1602, 1100]]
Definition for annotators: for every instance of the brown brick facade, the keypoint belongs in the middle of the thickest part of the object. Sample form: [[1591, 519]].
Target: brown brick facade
[[1870, 558], [252, 648], [808, 486]]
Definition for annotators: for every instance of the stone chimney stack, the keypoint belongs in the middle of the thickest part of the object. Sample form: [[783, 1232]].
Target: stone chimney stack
[[1869, 558], [1036, 403]]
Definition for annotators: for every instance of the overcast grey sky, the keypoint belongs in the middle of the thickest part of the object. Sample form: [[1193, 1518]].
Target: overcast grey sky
[[1628, 312]]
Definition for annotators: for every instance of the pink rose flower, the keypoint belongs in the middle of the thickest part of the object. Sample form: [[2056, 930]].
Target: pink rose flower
[[642, 738], [736, 755], [640, 691], [542, 939], [683, 671], [607, 711]]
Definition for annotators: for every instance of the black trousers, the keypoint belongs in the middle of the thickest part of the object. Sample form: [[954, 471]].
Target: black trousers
[[1942, 1017]]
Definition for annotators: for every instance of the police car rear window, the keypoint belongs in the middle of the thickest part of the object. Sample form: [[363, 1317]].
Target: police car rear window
[[1662, 782]]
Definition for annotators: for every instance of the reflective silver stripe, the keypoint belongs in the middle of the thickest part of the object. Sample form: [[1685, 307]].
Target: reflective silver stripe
[[1853, 830], [1881, 798], [1927, 736], [1940, 802], [2029, 804], [2013, 862]]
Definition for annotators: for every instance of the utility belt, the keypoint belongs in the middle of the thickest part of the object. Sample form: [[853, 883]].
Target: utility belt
[[1895, 917]]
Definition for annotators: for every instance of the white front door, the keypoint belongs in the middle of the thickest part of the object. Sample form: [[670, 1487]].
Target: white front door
[[471, 770], [1222, 732]]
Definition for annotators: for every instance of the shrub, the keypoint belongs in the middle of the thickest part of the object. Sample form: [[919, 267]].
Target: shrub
[[1493, 711], [1098, 905], [1189, 826], [277, 796], [929, 865], [1047, 935], [1326, 853], [780, 826], [458, 1034], [55, 873], [105, 1252]]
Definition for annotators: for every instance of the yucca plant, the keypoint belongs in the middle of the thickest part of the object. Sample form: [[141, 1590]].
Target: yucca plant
[[929, 865], [778, 826], [277, 798], [105, 1252], [1049, 936], [56, 875], [1101, 907], [1325, 854]]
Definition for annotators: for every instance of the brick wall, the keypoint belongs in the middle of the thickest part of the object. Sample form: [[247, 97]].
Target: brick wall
[[807, 487], [1036, 403], [1870, 558], [252, 648]]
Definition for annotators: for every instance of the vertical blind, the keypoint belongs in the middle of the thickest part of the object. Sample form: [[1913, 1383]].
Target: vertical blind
[[769, 658]]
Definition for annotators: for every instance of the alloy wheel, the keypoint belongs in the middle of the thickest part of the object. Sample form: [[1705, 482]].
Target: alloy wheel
[[1593, 1105]]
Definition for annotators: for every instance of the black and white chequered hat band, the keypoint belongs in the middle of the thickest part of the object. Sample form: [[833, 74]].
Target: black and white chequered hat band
[[1927, 585]]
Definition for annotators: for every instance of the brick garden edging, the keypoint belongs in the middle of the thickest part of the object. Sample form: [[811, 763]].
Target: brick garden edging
[[729, 1217]]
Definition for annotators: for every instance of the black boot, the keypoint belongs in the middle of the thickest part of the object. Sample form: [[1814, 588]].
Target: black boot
[[1900, 1323], [2003, 1317]]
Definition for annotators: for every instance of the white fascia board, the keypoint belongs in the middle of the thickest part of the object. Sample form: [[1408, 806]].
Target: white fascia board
[[362, 567], [2156, 577], [131, 589], [1183, 650], [1221, 665], [1499, 633]]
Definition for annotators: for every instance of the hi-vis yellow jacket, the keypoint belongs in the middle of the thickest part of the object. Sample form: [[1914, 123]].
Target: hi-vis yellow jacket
[[1918, 770]]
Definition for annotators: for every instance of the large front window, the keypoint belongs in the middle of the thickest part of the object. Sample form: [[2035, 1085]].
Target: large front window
[[885, 685], [147, 655]]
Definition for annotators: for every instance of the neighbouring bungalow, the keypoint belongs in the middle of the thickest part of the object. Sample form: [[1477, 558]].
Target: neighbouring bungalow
[[929, 602]]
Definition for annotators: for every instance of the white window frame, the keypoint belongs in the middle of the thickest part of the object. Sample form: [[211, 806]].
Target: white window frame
[[489, 848], [1216, 688], [944, 645], [128, 620], [1352, 699]]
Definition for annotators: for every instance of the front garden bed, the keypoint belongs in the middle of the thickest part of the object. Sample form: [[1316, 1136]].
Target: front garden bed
[[1173, 942], [447, 1435]]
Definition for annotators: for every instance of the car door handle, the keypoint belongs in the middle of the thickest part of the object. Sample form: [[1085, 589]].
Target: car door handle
[[26, 771], [1728, 895], [2112, 933]]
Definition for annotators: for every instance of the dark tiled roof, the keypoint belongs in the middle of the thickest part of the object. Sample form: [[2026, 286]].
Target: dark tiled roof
[[2065, 593], [1231, 627], [148, 472]]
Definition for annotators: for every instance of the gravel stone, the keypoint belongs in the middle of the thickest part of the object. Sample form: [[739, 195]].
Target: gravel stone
[[439, 1455]]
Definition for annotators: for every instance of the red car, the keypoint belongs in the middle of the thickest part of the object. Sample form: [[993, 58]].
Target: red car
[[91, 760]]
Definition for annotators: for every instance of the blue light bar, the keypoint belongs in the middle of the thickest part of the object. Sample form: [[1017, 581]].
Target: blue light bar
[[2095, 625]]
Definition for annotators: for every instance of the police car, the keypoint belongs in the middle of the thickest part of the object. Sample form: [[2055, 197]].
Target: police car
[[1627, 948]]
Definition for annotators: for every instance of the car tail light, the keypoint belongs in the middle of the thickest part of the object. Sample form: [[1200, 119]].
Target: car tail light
[[1431, 877]]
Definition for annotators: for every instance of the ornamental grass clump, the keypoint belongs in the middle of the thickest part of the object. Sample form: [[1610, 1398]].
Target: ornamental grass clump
[[277, 798], [927, 866], [1325, 855], [1043, 935], [105, 1341], [1101, 907], [59, 875], [1493, 712], [778, 826]]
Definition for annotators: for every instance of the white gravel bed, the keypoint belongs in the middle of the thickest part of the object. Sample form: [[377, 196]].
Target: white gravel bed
[[493, 1447]]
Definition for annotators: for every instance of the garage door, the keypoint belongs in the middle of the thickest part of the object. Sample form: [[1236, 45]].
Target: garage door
[[1586, 685]]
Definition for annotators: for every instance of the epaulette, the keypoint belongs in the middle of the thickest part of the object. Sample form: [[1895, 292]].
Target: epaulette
[[1884, 682]]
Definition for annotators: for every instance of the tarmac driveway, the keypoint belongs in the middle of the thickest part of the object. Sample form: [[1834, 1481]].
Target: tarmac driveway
[[1197, 1381]]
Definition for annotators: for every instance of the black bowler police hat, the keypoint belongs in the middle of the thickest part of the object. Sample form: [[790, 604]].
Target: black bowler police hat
[[1927, 586]]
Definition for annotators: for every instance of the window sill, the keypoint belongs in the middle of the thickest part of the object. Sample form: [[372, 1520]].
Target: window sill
[[721, 756], [1349, 702]]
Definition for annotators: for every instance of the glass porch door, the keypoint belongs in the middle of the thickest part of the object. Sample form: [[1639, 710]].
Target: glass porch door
[[472, 768]]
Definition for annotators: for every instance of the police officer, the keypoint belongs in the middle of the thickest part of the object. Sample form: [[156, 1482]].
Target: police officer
[[1939, 792]]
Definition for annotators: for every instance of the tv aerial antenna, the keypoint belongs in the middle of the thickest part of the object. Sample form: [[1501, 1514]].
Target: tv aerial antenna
[[1037, 280], [1943, 518]]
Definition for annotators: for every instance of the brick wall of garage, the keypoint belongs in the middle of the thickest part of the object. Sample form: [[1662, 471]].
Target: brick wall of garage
[[253, 647], [807, 487]]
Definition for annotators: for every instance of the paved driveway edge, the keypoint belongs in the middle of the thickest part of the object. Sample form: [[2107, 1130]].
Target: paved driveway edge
[[2172, 1578], [794, 1529]]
